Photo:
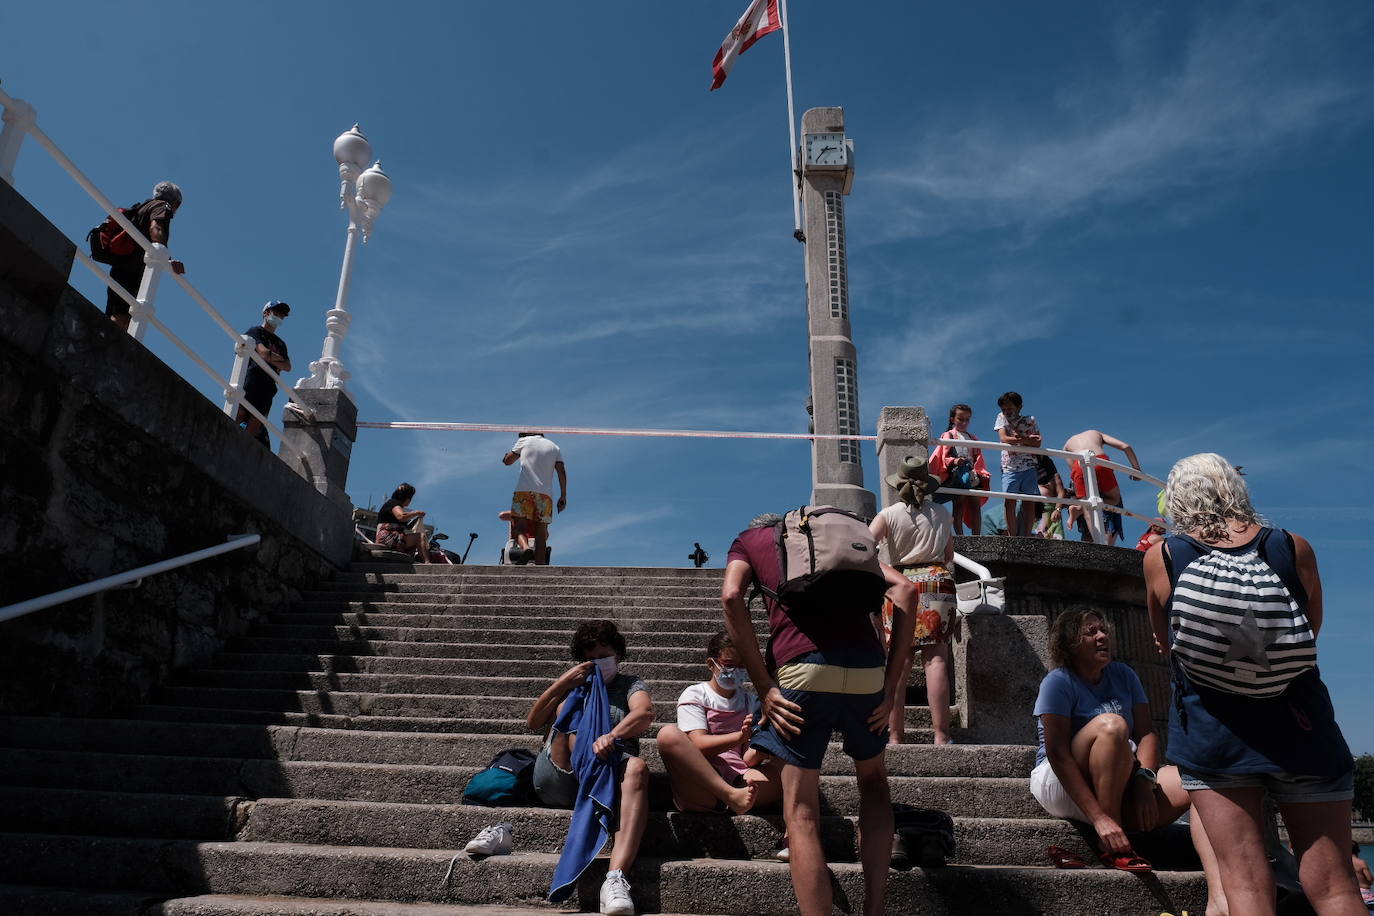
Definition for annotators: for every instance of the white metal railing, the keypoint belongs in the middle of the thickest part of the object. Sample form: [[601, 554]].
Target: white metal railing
[[235, 542], [978, 569], [19, 121], [1092, 503]]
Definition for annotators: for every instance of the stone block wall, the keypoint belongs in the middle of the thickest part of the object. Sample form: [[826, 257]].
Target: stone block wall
[[1045, 578], [109, 460]]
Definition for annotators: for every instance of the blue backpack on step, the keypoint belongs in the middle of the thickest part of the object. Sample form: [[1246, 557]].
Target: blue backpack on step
[[509, 780]]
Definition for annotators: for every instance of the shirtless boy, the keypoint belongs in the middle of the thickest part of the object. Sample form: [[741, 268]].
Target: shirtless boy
[[1096, 442]]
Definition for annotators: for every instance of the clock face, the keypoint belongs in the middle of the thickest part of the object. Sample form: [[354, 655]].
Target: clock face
[[826, 149]]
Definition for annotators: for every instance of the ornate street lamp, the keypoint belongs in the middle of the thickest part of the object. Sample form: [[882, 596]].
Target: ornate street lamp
[[363, 192]]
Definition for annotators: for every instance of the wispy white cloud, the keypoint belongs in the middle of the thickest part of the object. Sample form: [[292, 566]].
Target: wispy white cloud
[[1251, 85], [580, 536]]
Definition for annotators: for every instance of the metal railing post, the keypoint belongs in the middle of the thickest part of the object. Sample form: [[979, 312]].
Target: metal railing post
[[157, 260], [18, 116], [1094, 500], [234, 393]]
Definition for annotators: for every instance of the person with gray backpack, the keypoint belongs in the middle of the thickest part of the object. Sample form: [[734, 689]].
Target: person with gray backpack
[[824, 671], [1236, 606]]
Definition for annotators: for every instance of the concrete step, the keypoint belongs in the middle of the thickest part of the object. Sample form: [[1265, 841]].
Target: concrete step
[[653, 673], [310, 624], [445, 684], [111, 813], [500, 646], [29, 900], [535, 573], [694, 640], [362, 664], [591, 606], [569, 587], [235, 905], [569, 615], [746, 888], [416, 724], [405, 783], [432, 705], [277, 742], [670, 834]]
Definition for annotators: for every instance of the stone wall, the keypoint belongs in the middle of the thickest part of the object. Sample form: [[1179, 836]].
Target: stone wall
[[1044, 578], [109, 460]]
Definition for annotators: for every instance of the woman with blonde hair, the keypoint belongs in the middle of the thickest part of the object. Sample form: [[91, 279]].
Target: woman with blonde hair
[[1236, 605]]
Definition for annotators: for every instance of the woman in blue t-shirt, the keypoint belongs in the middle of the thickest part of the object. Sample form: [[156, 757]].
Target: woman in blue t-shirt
[[1099, 757]]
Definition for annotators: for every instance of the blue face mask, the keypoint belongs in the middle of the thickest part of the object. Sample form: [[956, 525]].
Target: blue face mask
[[728, 678], [274, 321]]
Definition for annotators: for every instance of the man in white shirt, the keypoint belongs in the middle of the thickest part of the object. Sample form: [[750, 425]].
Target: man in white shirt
[[532, 504]]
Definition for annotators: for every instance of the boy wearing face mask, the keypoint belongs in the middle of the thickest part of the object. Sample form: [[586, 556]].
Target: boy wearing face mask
[[707, 754], [258, 387], [598, 647]]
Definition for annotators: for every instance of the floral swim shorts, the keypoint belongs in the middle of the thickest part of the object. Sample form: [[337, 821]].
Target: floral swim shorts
[[531, 505], [935, 605]]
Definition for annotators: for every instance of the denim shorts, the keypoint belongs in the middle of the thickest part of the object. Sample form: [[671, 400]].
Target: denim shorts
[[1022, 481], [1282, 787], [825, 712]]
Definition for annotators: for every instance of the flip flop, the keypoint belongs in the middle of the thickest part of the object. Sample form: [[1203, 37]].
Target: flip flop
[[1126, 861], [1062, 858]]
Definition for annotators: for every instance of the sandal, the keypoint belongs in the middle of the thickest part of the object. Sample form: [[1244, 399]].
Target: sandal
[[1062, 858], [1126, 861]]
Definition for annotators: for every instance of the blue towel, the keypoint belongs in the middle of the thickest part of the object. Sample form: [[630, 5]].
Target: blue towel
[[587, 714]]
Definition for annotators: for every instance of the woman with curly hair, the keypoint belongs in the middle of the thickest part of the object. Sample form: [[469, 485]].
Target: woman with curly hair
[[1236, 605], [597, 646], [1098, 760]]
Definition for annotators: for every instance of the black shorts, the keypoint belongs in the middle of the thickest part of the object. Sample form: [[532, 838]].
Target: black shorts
[[128, 275]]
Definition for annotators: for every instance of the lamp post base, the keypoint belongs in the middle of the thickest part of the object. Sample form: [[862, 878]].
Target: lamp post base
[[326, 443]]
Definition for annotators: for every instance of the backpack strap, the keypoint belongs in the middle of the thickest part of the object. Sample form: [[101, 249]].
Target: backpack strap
[[1282, 557]]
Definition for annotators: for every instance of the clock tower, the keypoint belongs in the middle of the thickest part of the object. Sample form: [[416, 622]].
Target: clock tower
[[827, 175]]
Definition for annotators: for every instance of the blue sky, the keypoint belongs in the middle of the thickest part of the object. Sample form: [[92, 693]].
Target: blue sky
[[1151, 220]]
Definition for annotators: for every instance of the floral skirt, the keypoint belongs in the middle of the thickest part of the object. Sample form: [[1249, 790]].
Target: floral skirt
[[389, 535], [935, 605]]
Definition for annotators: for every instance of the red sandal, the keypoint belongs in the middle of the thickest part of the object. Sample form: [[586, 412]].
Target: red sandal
[[1062, 858], [1126, 861]]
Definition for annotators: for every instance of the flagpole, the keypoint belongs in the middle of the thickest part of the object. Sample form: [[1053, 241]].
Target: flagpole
[[792, 129]]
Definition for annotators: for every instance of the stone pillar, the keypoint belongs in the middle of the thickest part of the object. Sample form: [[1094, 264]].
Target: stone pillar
[[325, 442], [902, 431]]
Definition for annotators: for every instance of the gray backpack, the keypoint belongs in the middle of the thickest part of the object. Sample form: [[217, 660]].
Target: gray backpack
[[828, 562]]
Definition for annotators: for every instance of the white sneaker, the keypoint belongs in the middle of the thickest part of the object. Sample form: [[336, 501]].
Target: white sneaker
[[615, 895], [783, 854], [495, 840]]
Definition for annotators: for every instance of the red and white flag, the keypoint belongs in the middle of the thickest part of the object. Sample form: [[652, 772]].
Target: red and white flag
[[760, 19]]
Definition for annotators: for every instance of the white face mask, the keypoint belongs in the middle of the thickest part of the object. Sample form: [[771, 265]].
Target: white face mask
[[274, 321], [607, 666]]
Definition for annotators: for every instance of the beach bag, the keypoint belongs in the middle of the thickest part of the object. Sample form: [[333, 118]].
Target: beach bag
[[828, 561], [1237, 626], [109, 242], [509, 780], [981, 596]]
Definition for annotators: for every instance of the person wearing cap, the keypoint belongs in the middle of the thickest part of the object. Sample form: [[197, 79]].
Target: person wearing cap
[[259, 388], [915, 536], [153, 218]]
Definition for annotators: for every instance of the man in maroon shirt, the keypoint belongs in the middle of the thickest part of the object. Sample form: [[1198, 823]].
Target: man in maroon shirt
[[822, 674]]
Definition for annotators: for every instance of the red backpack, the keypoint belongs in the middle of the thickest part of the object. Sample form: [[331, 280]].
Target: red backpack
[[109, 242]]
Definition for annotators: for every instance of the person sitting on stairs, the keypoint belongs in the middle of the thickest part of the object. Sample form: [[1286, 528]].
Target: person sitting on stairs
[[710, 764], [597, 645]]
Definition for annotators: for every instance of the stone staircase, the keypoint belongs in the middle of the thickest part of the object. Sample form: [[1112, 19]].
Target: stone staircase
[[315, 767]]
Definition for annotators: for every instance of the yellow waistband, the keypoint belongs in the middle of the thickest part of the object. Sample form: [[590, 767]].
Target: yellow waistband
[[830, 678]]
